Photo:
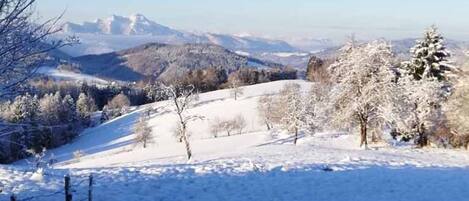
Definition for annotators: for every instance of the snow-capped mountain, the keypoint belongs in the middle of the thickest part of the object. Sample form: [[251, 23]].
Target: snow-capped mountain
[[101, 35], [118, 25]]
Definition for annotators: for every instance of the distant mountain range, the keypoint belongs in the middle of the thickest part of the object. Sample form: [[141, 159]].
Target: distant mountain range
[[118, 32]]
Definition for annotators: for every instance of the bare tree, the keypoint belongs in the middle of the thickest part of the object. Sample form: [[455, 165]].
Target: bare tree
[[235, 86], [23, 43], [181, 97], [143, 133]]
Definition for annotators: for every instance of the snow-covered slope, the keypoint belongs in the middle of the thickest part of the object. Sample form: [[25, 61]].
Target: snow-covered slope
[[257, 165], [70, 76]]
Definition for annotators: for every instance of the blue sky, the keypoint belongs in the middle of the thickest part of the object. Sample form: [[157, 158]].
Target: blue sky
[[283, 18]]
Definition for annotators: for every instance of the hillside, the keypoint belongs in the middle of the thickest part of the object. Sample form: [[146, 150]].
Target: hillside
[[256, 165], [162, 60]]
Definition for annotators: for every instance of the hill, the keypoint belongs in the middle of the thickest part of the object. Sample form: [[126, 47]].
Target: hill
[[256, 165], [160, 60]]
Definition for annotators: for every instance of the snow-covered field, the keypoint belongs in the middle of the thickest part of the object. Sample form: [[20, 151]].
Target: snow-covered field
[[68, 75], [257, 165]]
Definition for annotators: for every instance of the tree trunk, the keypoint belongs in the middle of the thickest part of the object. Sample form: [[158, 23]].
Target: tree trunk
[[267, 124], [186, 142], [363, 133], [296, 136]]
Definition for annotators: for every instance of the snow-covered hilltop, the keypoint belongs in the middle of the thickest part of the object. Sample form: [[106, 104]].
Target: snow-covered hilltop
[[254, 165]]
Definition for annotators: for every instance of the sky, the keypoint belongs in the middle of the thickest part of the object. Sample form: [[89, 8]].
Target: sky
[[282, 19]]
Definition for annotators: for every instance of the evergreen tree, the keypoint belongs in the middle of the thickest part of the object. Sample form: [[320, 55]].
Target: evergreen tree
[[429, 57]]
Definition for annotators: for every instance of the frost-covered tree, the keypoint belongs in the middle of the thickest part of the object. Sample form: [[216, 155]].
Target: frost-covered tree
[[424, 87], [235, 86], [268, 111], [24, 109], [118, 106], [457, 107], [364, 77], [181, 97], [50, 109], [68, 113], [24, 42], [85, 107], [143, 133], [429, 57], [419, 112], [294, 109], [318, 107]]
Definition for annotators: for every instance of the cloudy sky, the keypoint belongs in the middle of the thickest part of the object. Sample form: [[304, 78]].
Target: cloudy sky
[[284, 19]]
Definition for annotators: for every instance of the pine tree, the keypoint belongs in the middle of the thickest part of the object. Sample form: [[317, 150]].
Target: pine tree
[[429, 57]]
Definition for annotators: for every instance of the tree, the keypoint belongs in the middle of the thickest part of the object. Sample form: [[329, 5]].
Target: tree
[[143, 133], [23, 43], [181, 98], [118, 106], [235, 85], [68, 113], [268, 111], [293, 117], [424, 87], [364, 77], [85, 107], [24, 109], [457, 109], [50, 109], [429, 57], [318, 107]]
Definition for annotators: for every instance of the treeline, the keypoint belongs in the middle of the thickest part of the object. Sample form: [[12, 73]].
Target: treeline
[[32, 124]]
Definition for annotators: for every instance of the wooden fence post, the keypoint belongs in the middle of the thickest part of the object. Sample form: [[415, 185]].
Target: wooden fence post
[[90, 188], [68, 192]]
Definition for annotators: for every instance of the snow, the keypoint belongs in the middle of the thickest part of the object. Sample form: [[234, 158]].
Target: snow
[[68, 75], [290, 54], [258, 165]]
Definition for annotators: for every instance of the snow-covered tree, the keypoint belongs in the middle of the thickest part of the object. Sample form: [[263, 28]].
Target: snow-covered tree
[[294, 109], [235, 86], [418, 113], [23, 43], [68, 109], [429, 57], [364, 77], [457, 107], [181, 97], [24, 109], [118, 106], [268, 111], [50, 109], [424, 87], [143, 133], [85, 107], [318, 107]]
